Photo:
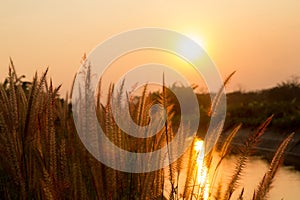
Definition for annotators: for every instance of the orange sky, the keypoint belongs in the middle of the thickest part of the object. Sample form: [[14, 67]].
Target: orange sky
[[259, 39]]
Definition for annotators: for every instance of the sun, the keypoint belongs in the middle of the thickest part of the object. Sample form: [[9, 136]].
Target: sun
[[188, 47], [197, 38]]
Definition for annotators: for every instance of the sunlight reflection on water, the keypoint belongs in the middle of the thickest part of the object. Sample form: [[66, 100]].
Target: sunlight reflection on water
[[202, 171], [285, 186]]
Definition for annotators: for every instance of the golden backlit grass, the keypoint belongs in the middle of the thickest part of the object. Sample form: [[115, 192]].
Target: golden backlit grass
[[43, 158]]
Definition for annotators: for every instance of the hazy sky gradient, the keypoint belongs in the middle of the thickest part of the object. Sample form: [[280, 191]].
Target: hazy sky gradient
[[259, 39]]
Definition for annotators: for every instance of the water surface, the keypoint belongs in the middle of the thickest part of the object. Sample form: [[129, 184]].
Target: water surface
[[285, 186]]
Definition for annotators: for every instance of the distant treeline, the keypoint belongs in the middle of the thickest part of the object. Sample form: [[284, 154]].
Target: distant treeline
[[250, 108]]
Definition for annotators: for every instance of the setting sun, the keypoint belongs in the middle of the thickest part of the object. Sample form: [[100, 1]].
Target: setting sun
[[198, 39], [189, 48]]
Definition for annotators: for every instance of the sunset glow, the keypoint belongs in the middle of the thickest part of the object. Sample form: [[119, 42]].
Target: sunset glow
[[237, 35], [150, 99]]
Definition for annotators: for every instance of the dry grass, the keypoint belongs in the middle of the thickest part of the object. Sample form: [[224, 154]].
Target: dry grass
[[43, 158]]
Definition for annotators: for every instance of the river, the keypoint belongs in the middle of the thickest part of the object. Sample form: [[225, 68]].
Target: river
[[285, 186]]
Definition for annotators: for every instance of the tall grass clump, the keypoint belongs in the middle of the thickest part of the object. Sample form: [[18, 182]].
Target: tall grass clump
[[42, 156]]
